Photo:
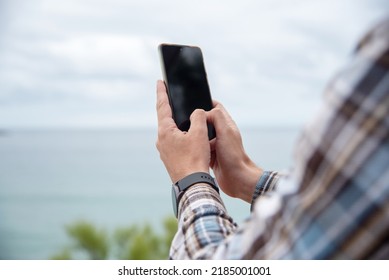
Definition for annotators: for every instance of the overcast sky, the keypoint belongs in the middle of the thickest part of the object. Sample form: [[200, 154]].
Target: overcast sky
[[94, 63]]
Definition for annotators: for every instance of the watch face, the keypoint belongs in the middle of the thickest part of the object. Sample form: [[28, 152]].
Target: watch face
[[174, 200]]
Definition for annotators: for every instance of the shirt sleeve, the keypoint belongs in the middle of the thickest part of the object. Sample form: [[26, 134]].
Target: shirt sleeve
[[266, 184], [203, 224], [334, 204]]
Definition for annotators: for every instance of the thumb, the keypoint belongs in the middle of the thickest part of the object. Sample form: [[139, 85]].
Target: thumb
[[198, 122], [220, 118]]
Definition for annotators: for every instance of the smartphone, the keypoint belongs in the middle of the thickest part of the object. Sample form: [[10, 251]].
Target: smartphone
[[186, 81]]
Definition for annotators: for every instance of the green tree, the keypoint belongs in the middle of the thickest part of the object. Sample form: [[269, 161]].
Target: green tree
[[134, 242]]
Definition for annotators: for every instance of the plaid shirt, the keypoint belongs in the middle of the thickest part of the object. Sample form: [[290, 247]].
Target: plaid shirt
[[334, 204]]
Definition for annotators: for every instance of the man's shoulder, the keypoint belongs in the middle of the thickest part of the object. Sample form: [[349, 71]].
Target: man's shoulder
[[379, 32]]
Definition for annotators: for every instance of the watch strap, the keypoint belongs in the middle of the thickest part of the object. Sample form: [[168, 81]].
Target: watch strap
[[184, 184], [195, 178]]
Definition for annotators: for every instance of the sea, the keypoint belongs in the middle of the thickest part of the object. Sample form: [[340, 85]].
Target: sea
[[110, 177]]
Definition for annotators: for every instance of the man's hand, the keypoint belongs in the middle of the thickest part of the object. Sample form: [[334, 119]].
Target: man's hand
[[235, 172], [183, 153]]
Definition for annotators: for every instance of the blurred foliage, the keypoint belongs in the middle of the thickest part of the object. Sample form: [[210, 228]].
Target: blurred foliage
[[136, 242]]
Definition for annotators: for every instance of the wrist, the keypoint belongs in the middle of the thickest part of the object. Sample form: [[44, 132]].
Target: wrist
[[179, 174], [251, 174]]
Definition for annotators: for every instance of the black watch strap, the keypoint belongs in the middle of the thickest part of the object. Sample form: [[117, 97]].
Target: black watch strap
[[195, 178], [184, 184]]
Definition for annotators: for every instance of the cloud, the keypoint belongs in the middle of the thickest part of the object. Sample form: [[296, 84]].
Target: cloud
[[106, 54], [105, 57], [62, 62]]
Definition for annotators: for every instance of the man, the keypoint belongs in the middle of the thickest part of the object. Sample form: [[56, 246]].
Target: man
[[333, 204]]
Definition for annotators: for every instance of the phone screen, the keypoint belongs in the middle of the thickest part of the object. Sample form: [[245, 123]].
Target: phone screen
[[186, 81]]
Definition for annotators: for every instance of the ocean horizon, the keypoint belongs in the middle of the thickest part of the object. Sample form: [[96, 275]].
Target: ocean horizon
[[109, 177]]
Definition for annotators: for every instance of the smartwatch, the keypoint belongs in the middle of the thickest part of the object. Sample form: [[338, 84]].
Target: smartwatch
[[179, 188]]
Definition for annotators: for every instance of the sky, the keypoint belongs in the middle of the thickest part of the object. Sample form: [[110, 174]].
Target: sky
[[94, 63]]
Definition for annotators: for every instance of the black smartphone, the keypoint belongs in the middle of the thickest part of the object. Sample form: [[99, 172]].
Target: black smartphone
[[186, 82]]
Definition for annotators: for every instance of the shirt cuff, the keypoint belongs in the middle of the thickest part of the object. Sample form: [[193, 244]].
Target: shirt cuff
[[200, 196], [266, 183]]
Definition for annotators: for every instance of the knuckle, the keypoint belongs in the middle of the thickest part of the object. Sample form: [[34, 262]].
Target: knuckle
[[196, 113], [217, 111], [161, 134]]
